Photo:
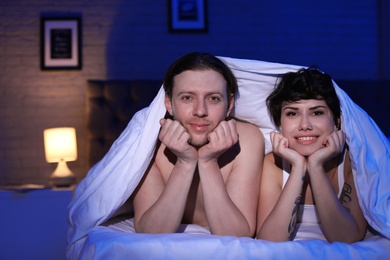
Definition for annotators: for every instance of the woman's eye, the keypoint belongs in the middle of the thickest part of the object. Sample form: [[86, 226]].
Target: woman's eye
[[318, 113], [291, 113]]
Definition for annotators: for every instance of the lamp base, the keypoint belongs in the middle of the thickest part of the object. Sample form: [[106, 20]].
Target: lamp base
[[62, 181], [62, 176]]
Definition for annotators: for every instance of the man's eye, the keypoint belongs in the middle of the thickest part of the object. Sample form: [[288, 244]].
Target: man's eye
[[214, 99], [185, 98]]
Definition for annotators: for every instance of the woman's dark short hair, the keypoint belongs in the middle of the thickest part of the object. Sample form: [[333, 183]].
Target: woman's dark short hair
[[199, 61], [306, 83]]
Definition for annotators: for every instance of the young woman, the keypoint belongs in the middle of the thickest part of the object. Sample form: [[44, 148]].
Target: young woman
[[307, 187]]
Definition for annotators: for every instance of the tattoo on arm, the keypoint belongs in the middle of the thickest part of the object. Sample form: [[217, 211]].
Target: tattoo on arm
[[345, 196], [293, 220]]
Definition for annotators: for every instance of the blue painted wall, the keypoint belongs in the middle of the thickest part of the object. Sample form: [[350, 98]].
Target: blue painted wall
[[129, 39], [339, 36]]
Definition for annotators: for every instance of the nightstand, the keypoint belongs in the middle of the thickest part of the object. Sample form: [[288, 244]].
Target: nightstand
[[33, 223]]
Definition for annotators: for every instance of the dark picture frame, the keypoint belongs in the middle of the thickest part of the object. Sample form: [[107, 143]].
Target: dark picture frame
[[187, 16], [61, 43]]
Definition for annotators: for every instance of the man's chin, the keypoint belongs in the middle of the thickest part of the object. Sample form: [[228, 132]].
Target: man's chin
[[198, 144]]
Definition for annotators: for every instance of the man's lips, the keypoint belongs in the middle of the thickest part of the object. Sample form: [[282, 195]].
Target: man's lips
[[199, 127]]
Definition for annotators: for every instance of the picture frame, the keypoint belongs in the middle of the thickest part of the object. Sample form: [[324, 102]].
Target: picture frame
[[61, 43], [187, 16]]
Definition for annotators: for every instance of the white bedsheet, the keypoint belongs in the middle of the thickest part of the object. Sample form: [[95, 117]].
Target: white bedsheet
[[111, 181]]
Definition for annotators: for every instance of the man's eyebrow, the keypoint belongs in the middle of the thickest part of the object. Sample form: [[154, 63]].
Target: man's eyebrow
[[207, 94], [215, 93], [185, 92]]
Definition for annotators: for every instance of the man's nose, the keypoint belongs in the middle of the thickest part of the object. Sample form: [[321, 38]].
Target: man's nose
[[200, 108]]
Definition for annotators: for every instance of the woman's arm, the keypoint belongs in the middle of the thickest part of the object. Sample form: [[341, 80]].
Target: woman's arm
[[278, 207], [342, 220]]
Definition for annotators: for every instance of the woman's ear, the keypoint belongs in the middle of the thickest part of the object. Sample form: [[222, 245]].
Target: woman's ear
[[337, 126], [168, 105]]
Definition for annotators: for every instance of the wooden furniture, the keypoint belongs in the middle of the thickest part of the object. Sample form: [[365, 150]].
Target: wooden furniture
[[33, 223], [110, 106], [112, 103]]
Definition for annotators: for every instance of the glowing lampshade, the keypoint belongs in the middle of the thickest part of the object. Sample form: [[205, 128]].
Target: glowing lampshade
[[61, 147]]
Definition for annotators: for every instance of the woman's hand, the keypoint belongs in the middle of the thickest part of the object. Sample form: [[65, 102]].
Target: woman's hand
[[280, 146], [333, 145]]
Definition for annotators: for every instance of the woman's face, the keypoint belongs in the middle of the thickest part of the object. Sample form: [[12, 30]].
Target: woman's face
[[306, 123]]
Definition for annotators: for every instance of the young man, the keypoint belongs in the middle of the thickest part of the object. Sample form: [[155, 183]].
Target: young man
[[206, 169]]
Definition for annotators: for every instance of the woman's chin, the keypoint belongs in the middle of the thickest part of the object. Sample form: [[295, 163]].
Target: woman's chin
[[306, 152]]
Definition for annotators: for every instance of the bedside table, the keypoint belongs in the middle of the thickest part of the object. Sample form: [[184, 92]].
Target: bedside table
[[33, 223]]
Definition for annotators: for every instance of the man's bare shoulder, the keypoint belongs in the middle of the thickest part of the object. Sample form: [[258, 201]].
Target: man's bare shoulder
[[273, 163], [251, 143], [270, 158], [250, 132]]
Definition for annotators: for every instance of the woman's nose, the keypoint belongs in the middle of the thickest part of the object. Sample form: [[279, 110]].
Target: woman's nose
[[305, 123]]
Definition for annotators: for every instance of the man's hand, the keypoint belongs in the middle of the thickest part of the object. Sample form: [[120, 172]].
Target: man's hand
[[175, 137], [223, 137]]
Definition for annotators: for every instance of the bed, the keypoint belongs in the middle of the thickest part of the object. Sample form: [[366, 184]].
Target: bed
[[99, 213]]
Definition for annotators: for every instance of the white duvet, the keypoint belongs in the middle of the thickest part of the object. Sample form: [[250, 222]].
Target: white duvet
[[111, 181]]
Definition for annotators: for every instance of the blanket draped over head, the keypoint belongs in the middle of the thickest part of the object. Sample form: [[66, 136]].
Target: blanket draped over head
[[112, 180]]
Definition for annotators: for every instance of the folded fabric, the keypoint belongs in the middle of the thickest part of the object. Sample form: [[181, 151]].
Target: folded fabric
[[111, 181], [105, 243]]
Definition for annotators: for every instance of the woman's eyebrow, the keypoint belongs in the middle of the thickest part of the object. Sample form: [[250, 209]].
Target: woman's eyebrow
[[292, 108], [316, 107]]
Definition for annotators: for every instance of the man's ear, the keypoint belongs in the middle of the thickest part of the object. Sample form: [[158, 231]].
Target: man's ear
[[230, 106], [168, 105]]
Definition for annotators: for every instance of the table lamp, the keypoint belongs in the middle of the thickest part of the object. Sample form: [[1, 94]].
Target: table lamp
[[61, 147]]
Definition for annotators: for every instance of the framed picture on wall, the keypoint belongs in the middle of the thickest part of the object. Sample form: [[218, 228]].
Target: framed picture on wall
[[187, 15], [61, 43]]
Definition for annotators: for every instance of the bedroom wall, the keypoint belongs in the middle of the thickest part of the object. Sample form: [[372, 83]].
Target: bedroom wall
[[129, 39]]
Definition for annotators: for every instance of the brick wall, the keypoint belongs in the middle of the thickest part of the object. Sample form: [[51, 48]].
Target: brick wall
[[130, 40]]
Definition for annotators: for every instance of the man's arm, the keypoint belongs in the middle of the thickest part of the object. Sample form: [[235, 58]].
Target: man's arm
[[159, 204], [231, 204], [159, 207]]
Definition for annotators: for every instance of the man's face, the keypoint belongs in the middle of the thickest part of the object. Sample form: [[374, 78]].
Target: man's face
[[199, 102]]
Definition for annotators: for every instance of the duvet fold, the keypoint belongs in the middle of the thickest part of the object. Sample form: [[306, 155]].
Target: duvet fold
[[111, 181]]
